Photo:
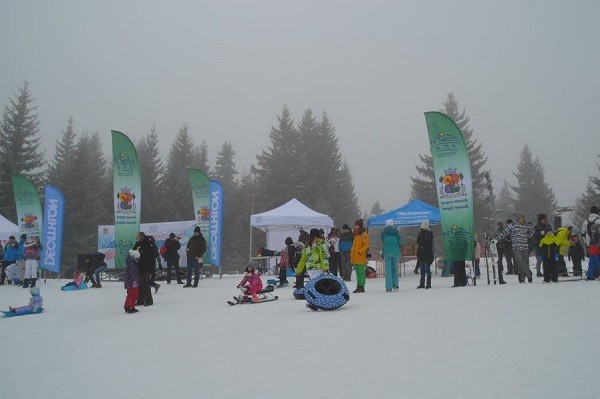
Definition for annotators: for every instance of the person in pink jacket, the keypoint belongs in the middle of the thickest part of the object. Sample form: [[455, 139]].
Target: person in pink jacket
[[251, 284]]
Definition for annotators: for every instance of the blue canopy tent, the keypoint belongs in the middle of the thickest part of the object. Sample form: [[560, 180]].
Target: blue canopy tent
[[411, 214]]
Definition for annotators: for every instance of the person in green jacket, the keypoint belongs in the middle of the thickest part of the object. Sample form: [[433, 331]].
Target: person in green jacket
[[391, 240], [314, 256]]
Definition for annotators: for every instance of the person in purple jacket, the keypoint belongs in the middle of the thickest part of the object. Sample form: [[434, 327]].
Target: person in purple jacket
[[132, 281]]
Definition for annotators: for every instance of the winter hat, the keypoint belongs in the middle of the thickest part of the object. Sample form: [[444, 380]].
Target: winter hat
[[389, 222], [359, 223], [519, 215], [289, 241], [509, 221], [197, 229], [594, 209], [541, 216], [30, 242], [425, 224], [134, 254], [345, 227], [35, 291], [172, 235]]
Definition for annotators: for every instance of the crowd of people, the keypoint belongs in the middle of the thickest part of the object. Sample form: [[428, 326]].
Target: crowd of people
[[20, 261]]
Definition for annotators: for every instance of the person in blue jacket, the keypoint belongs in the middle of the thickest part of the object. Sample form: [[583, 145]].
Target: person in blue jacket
[[391, 240], [11, 254]]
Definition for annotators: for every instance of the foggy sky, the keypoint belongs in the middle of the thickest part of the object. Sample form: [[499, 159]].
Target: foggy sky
[[526, 72]]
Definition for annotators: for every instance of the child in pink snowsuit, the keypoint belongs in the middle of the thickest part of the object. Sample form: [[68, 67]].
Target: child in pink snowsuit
[[251, 284], [77, 279]]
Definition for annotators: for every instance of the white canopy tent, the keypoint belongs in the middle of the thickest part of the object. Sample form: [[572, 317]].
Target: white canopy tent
[[7, 229], [286, 221]]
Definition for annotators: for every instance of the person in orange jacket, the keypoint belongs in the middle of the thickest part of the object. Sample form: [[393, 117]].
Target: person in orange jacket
[[358, 254]]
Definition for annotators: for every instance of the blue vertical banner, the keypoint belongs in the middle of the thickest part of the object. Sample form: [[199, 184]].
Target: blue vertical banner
[[52, 233], [216, 222]]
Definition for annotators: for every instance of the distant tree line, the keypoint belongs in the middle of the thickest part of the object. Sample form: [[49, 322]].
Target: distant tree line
[[301, 161]]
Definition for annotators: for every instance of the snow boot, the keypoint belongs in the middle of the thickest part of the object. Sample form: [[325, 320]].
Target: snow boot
[[26, 283], [421, 286], [33, 280], [428, 286]]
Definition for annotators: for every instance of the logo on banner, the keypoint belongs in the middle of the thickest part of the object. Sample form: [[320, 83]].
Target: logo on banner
[[445, 145], [452, 184], [124, 165], [29, 221], [125, 203], [26, 197], [457, 238], [203, 214]]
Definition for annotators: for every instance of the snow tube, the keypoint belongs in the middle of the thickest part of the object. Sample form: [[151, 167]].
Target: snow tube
[[299, 293], [83, 286], [8, 313], [326, 292]]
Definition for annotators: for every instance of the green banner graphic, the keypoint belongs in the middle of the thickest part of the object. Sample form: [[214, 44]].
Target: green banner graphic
[[453, 185], [29, 207], [127, 196], [201, 196]]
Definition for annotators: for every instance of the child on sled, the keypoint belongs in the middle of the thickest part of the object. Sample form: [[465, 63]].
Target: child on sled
[[36, 302], [251, 284], [77, 280]]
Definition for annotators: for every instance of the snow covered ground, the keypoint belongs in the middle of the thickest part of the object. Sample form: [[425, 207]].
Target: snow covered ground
[[513, 341]]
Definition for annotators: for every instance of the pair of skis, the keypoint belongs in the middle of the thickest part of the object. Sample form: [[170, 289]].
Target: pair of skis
[[490, 248]]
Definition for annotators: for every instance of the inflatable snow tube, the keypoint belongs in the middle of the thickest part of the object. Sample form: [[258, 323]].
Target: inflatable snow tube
[[8, 313], [299, 293], [83, 286], [326, 292]]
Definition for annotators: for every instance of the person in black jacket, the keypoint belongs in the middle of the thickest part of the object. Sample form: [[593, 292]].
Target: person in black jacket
[[576, 254], [425, 254], [153, 282], [146, 264], [173, 245], [196, 247]]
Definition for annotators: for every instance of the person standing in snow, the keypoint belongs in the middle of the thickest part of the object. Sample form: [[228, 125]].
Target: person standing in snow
[[563, 238], [196, 247], [345, 246], [504, 250], [11, 252], [519, 233], [391, 240], [360, 246], [586, 227], [425, 254], [576, 254], [477, 254], [173, 245], [333, 241], [132, 281], [31, 251], [146, 264], [593, 252], [549, 246], [539, 232]]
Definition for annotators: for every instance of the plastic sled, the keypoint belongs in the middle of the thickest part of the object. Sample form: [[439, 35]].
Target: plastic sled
[[83, 286], [8, 313]]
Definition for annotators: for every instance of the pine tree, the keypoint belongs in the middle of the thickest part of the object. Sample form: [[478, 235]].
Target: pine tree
[[347, 210], [19, 147], [200, 155], [225, 173], [278, 168], [424, 186], [62, 173], [376, 209], [90, 206], [152, 173], [312, 183], [532, 194], [504, 203], [177, 193], [590, 197], [245, 200]]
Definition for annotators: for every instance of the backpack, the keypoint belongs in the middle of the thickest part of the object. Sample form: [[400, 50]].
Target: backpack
[[163, 250], [588, 228]]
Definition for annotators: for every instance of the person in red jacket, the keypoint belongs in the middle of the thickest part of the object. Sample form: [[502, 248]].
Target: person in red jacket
[[251, 284]]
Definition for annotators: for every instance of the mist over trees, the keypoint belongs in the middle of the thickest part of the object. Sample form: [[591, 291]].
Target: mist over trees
[[589, 198], [423, 185], [301, 159]]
